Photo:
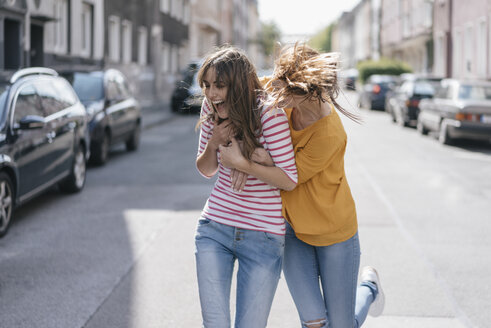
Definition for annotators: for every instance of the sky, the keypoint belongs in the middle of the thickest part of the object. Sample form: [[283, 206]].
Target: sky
[[295, 17]]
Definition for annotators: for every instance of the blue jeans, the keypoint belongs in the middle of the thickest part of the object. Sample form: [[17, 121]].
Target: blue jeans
[[260, 257], [335, 302]]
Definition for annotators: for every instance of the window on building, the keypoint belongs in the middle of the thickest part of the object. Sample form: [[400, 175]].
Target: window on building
[[469, 62], [87, 34], [481, 49], [186, 12], [60, 26], [175, 59], [440, 56], [114, 38], [142, 45], [174, 9], [166, 57], [165, 6], [457, 50], [127, 29], [406, 28]]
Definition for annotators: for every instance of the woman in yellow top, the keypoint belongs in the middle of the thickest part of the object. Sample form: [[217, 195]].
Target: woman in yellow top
[[321, 242]]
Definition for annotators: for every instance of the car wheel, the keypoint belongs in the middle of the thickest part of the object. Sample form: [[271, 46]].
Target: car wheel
[[100, 151], [6, 202], [76, 180], [134, 141], [443, 136], [421, 128]]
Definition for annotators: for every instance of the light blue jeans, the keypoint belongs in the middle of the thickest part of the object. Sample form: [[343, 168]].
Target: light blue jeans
[[260, 257], [323, 283]]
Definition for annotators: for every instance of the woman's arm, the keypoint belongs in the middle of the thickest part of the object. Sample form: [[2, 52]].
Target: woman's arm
[[239, 179], [232, 157]]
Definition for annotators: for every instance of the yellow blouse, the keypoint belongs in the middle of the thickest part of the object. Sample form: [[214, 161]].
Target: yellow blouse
[[320, 209]]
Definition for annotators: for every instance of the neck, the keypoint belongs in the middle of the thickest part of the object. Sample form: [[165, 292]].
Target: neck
[[309, 113]]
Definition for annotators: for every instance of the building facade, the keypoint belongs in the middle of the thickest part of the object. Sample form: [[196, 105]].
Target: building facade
[[356, 34], [469, 28], [55, 33], [218, 22], [406, 32]]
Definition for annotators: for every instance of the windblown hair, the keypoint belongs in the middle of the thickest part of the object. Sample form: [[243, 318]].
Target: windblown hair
[[303, 71], [234, 69]]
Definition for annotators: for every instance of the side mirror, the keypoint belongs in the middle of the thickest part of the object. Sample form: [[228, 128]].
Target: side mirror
[[31, 122]]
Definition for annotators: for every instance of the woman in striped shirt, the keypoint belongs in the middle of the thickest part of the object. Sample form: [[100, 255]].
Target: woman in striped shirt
[[248, 225]]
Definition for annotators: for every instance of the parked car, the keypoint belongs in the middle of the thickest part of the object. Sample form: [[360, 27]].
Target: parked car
[[44, 138], [114, 115], [375, 89], [188, 95], [348, 78], [403, 103], [459, 109]]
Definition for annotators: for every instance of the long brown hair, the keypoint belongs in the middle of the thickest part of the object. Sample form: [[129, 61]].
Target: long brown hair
[[301, 70], [234, 69]]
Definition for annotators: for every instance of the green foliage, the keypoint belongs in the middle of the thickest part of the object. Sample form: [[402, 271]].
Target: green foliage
[[322, 41], [382, 66], [268, 38]]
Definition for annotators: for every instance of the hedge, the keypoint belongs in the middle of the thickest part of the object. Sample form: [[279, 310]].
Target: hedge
[[382, 66]]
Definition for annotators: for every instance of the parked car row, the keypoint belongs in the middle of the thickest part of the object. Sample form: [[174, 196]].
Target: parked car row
[[47, 134], [451, 108]]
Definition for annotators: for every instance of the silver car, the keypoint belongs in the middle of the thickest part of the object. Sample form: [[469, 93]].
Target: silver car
[[459, 109]]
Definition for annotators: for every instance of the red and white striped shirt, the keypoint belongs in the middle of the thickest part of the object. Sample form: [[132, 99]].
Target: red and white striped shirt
[[258, 206]]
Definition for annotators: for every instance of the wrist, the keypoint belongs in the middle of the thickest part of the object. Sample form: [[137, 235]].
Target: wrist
[[245, 166], [211, 146]]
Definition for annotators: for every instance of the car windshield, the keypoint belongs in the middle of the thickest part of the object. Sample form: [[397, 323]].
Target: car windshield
[[475, 92], [424, 88], [88, 86]]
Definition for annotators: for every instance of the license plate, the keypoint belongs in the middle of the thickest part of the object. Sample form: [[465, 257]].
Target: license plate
[[486, 119]]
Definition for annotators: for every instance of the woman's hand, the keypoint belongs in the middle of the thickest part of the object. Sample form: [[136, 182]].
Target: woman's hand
[[262, 156], [221, 134], [231, 155], [239, 180]]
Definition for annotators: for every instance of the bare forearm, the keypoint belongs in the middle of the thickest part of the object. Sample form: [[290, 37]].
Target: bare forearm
[[272, 175], [207, 162]]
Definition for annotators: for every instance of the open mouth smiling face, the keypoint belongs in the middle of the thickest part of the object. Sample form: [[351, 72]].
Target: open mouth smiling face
[[216, 93]]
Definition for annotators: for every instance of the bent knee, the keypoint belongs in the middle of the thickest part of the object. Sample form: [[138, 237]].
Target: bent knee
[[320, 323]]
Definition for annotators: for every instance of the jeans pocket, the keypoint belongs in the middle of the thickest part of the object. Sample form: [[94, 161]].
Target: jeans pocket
[[203, 221], [278, 239]]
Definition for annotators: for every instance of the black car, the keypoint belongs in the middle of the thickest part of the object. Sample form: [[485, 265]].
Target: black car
[[404, 101], [375, 90], [114, 115], [187, 95], [43, 138]]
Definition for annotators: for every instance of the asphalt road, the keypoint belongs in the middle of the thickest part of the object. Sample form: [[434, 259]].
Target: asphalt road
[[120, 254]]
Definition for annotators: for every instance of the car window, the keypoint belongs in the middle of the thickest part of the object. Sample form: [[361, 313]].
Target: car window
[[27, 103], [407, 87], [65, 92], [50, 100], [123, 88], [3, 99], [424, 88], [443, 92], [475, 92], [89, 87], [112, 90]]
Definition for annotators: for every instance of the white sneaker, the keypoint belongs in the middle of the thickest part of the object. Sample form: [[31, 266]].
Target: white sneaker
[[377, 307]]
